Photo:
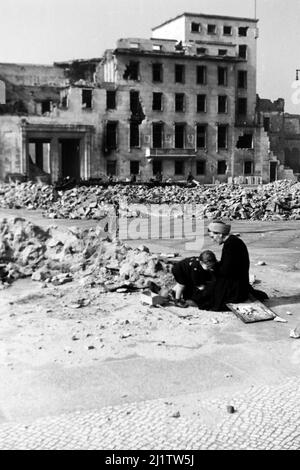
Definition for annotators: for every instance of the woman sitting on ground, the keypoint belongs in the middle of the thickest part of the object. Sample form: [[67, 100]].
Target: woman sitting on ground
[[194, 277]]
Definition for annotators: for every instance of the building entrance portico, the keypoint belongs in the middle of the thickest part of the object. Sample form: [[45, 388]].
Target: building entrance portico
[[57, 151]]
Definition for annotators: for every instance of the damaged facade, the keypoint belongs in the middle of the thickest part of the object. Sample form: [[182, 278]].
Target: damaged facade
[[183, 100], [283, 130]]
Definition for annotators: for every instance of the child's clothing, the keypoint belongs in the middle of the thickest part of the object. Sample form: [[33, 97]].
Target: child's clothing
[[190, 273]]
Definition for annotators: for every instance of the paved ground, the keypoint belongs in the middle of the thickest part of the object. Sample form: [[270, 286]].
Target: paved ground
[[265, 417], [174, 394]]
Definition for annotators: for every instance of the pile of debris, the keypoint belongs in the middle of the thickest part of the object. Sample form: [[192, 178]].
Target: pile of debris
[[16, 195], [278, 200], [57, 257]]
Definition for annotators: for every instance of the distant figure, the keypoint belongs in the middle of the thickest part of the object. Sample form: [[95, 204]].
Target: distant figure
[[158, 177], [133, 179], [179, 46], [190, 177]]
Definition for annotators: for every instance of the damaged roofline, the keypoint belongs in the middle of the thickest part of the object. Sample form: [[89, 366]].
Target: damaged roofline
[[136, 52], [77, 61]]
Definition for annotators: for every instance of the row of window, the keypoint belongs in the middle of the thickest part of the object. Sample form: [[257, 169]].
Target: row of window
[[132, 71], [201, 79], [179, 103], [179, 167], [211, 28], [179, 137]]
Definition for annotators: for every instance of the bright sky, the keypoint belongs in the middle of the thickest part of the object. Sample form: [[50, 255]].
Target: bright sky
[[41, 31]]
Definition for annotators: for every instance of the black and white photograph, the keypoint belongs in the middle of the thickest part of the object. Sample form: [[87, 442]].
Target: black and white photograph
[[150, 228]]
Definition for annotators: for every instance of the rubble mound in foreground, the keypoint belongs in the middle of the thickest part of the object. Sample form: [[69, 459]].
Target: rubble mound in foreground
[[274, 201], [57, 257]]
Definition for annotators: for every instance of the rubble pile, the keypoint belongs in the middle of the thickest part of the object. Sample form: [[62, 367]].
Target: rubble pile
[[278, 200], [28, 195], [57, 257]]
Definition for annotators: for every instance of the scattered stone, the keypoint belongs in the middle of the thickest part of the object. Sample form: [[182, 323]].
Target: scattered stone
[[125, 335], [295, 333], [230, 409], [91, 347], [261, 263], [176, 414]]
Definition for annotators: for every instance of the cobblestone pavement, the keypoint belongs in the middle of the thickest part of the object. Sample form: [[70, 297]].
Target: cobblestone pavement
[[266, 417]]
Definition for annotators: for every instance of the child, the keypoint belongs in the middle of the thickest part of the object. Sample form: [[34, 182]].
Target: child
[[193, 276]]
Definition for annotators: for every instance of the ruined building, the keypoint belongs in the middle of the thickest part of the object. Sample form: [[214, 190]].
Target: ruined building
[[283, 130], [183, 100]]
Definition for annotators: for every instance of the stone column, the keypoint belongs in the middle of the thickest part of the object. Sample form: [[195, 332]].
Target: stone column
[[55, 160]]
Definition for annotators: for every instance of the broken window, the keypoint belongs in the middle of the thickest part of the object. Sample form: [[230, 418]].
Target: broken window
[[227, 30], [222, 136], [157, 101], [222, 104], [245, 141], [157, 47], [242, 106], [242, 79], [222, 166], [132, 71], [201, 50], [156, 167], [134, 167], [243, 30], [110, 99], [195, 27], [211, 29], [134, 134], [222, 76], [134, 101], [222, 51], [200, 167], [134, 45], [179, 102], [243, 51], [201, 103], [87, 95], [248, 168], [179, 135], [46, 106], [39, 154], [157, 72], [266, 124], [111, 168], [201, 136], [179, 73], [111, 135], [157, 135], [179, 167], [201, 74]]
